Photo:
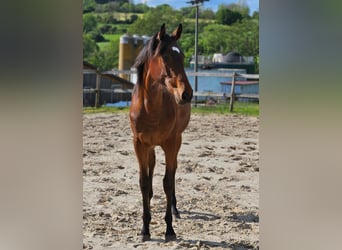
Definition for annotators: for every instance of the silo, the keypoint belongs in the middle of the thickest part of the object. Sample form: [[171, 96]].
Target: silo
[[145, 39], [126, 54], [138, 44], [130, 47]]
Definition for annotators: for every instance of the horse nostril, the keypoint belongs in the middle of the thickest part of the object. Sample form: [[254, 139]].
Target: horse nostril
[[185, 96]]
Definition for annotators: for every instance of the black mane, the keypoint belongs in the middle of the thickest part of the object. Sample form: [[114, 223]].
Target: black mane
[[152, 48]]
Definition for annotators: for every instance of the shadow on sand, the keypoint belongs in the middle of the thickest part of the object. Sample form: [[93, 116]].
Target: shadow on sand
[[191, 215], [245, 217], [238, 245], [241, 245]]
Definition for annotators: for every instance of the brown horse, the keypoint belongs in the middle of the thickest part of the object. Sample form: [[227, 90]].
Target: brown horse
[[159, 113]]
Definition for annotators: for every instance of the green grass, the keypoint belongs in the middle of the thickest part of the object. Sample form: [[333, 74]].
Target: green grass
[[250, 109], [112, 37], [103, 45], [243, 108], [103, 109], [91, 110]]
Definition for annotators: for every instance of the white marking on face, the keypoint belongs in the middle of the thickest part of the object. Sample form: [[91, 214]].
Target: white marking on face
[[176, 49]]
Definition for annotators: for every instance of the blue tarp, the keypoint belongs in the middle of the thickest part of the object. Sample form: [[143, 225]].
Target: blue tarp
[[118, 104]]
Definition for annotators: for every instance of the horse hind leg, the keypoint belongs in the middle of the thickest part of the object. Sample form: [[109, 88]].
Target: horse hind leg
[[151, 165]]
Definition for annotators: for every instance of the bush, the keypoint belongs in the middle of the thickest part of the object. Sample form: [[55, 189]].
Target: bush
[[105, 28], [89, 22], [113, 30], [89, 46], [123, 30], [101, 1], [111, 19], [108, 29], [133, 18], [97, 36]]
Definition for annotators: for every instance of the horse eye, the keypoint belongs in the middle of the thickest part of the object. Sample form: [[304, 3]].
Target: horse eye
[[166, 58]]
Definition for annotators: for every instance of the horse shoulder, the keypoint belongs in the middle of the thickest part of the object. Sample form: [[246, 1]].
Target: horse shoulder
[[183, 116]]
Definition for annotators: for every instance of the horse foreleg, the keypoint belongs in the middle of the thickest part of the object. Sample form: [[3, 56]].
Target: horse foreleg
[[174, 205], [145, 181], [169, 183], [171, 149]]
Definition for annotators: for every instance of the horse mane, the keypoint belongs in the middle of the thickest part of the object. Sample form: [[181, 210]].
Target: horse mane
[[142, 58], [153, 47]]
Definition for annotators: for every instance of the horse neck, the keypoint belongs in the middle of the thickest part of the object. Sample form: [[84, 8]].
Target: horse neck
[[152, 94]]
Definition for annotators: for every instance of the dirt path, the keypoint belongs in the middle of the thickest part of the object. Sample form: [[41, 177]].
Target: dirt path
[[217, 185]]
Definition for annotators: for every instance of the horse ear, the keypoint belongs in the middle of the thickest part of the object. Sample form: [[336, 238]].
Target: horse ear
[[161, 33], [155, 69], [176, 34]]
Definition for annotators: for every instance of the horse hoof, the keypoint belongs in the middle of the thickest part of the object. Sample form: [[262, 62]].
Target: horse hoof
[[145, 237], [171, 237]]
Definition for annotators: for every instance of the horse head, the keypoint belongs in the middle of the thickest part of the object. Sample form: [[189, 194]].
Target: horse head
[[166, 64]]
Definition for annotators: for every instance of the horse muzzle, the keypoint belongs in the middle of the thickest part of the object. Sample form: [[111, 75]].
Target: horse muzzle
[[186, 97]]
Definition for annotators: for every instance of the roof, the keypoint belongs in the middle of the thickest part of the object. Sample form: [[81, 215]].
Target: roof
[[117, 79], [233, 57], [87, 65], [110, 76]]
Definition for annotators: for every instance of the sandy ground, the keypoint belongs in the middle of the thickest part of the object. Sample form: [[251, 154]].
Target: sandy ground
[[217, 185]]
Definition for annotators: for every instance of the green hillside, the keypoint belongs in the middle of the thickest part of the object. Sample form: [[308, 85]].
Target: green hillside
[[228, 29]]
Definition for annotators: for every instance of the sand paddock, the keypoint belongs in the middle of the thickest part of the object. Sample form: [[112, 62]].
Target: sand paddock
[[217, 185]]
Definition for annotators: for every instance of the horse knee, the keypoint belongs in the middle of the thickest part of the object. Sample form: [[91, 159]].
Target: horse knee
[[144, 186], [168, 185]]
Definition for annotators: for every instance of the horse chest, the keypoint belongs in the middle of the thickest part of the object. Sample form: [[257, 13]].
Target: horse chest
[[153, 130]]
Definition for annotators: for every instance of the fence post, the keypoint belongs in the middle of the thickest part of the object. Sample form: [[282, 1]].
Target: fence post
[[97, 88], [232, 94]]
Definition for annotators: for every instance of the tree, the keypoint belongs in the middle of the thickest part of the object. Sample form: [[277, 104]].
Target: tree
[[113, 6], [186, 12], [107, 1], [108, 58], [207, 14], [213, 43], [126, 7], [133, 18], [240, 7], [88, 6], [89, 22], [140, 8], [151, 22], [89, 47], [255, 15], [227, 16], [187, 43], [242, 37]]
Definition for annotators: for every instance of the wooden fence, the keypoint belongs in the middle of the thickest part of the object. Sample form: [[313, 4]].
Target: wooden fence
[[232, 96], [116, 88]]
